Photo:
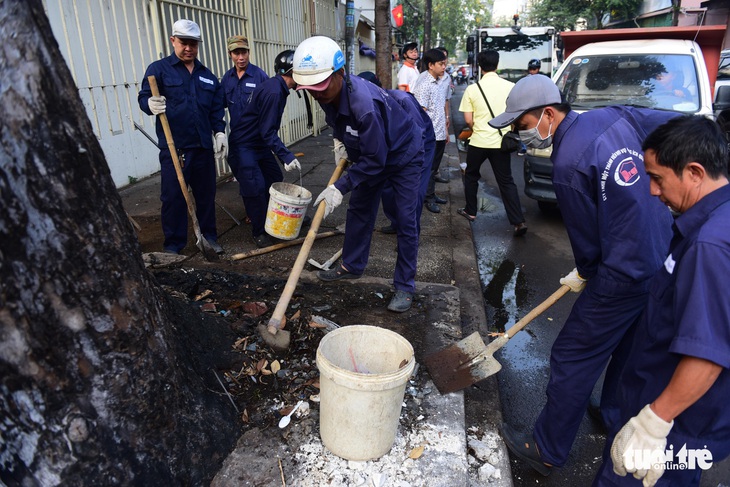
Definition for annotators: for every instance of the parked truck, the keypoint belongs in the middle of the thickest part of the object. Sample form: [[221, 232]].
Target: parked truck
[[630, 67]]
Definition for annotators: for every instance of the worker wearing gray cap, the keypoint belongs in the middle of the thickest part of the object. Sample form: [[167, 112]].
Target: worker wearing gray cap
[[619, 234]]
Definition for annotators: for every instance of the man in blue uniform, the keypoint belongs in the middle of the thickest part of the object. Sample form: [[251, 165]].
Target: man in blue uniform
[[374, 131], [192, 98], [674, 390], [239, 82], [619, 235], [254, 141]]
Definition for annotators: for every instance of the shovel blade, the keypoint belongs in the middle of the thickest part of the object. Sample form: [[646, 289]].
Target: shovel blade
[[462, 364], [209, 252]]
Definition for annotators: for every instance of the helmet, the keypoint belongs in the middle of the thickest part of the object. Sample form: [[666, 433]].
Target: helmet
[[315, 59], [283, 62], [534, 64], [408, 46]]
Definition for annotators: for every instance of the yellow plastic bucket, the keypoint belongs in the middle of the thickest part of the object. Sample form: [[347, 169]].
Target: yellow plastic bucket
[[287, 207]]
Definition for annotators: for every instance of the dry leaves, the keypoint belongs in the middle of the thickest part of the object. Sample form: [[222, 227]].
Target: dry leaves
[[416, 453]]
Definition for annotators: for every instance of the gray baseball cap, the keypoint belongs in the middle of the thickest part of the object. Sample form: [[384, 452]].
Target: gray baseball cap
[[529, 93], [186, 29]]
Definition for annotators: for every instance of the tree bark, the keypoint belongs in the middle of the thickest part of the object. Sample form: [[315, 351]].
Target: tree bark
[[383, 44], [427, 25], [96, 387]]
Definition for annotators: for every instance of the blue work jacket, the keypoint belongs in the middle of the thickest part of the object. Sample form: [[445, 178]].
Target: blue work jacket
[[195, 106], [410, 103], [238, 91], [375, 129], [688, 314], [618, 231], [258, 125]]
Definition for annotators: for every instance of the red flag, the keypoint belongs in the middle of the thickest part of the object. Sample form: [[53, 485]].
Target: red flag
[[398, 15]]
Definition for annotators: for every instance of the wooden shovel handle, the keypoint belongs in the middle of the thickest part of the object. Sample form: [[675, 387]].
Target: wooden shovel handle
[[537, 311], [175, 160], [291, 283]]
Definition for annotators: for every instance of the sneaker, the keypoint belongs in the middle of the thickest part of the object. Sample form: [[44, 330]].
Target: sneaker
[[263, 240], [336, 274], [524, 447], [401, 301], [520, 229], [216, 247], [440, 200], [388, 229], [432, 206], [439, 179]]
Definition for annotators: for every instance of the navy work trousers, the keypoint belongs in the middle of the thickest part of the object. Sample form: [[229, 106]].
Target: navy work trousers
[[597, 333], [363, 210], [502, 167], [199, 173], [256, 170]]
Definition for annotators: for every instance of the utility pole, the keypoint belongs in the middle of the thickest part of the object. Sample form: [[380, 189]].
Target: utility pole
[[427, 26], [350, 36], [383, 44]]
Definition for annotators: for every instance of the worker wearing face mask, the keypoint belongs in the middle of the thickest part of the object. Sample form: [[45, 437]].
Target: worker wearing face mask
[[619, 235]]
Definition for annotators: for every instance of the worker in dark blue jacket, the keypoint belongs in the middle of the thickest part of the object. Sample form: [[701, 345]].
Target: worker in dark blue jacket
[[673, 392], [619, 235], [239, 82], [375, 132], [254, 141], [192, 98]]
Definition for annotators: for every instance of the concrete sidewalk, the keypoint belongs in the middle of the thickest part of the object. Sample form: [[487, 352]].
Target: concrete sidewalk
[[447, 270]]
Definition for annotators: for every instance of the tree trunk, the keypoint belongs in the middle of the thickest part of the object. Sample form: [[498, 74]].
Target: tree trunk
[[96, 387], [427, 26], [383, 44]]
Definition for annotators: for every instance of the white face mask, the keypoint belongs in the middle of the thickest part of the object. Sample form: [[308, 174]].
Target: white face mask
[[532, 137]]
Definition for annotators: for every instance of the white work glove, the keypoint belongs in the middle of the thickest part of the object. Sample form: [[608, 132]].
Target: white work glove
[[642, 440], [340, 151], [221, 146], [332, 197], [292, 165], [574, 281], [157, 104]]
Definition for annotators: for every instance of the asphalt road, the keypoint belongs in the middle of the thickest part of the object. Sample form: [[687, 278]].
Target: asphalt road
[[517, 274]]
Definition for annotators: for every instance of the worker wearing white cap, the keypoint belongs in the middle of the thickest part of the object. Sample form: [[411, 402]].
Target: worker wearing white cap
[[192, 98], [376, 133]]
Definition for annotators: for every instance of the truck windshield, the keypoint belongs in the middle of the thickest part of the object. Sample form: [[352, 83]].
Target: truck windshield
[[516, 51], [667, 82]]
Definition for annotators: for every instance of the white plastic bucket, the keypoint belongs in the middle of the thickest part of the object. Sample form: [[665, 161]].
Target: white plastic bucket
[[359, 411], [287, 207]]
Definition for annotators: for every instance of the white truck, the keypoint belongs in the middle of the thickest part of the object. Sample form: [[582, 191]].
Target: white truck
[[666, 68]]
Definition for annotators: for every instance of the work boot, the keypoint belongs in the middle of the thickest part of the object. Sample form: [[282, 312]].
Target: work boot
[[439, 179], [520, 229], [440, 200], [401, 301], [336, 274], [263, 241], [524, 448], [388, 229], [432, 206]]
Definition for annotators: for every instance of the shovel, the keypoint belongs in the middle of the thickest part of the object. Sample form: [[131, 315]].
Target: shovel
[[272, 334], [204, 246], [469, 361]]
